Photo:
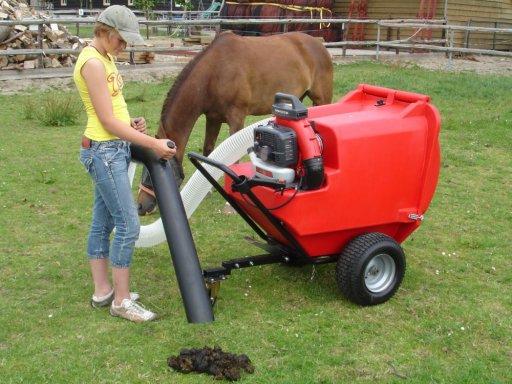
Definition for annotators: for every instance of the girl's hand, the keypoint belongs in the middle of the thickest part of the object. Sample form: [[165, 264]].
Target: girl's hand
[[162, 149], [139, 124]]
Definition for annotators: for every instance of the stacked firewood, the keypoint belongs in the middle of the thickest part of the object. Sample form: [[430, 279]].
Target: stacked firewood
[[136, 57], [28, 37]]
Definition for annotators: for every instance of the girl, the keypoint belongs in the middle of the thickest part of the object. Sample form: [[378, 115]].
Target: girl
[[105, 153]]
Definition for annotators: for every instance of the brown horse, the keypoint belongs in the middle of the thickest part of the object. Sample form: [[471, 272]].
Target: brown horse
[[235, 77]]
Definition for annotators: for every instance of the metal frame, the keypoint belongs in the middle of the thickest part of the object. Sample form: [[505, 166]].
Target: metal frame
[[277, 252]]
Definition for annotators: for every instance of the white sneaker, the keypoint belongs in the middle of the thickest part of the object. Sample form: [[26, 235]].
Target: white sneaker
[[105, 301], [131, 310]]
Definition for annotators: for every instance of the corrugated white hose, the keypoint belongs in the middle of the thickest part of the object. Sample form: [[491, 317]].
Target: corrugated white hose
[[228, 152]]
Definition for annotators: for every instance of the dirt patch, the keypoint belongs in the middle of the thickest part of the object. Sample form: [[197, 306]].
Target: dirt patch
[[431, 61], [490, 65]]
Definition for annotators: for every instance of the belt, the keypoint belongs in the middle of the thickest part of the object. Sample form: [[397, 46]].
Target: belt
[[86, 142]]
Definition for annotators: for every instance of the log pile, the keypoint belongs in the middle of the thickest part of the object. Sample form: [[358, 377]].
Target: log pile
[[33, 37], [136, 57]]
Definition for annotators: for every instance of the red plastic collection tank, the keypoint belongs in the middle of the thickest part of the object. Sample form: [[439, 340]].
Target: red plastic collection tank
[[381, 162]]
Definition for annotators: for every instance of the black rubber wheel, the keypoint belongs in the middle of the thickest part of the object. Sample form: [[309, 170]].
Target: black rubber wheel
[[370, 269]]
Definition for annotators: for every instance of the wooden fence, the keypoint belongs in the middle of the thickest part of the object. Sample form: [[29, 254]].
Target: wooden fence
[[437, 45]]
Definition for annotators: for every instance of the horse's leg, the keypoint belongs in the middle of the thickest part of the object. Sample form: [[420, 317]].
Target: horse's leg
[[235, 119], [321, 90], [320, 95], [211, 134]]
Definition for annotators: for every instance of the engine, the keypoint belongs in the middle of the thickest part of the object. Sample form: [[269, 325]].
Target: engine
[[288, 149]]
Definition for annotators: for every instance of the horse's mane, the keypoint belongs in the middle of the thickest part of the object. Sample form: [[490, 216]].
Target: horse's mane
[[185, 72]]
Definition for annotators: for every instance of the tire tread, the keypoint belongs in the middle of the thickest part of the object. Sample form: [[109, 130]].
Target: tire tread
[[348, 269]]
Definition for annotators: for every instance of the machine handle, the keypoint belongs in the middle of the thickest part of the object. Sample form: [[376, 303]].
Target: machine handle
[[171, 145], [406, 97], [274, 184], [289, 107], [194, 157]]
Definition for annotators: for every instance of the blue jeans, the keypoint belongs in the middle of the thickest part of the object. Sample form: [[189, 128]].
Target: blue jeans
[[114, 206]]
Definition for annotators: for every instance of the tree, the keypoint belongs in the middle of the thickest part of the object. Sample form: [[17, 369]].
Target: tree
[[146, 6]]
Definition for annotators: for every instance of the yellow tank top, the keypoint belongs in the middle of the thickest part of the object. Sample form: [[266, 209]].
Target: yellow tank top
[[94, 129]]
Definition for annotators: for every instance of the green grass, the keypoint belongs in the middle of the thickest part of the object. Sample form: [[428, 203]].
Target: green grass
[[450, 322]]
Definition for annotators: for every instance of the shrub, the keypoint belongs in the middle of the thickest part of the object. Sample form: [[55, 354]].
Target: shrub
[[55, 111]]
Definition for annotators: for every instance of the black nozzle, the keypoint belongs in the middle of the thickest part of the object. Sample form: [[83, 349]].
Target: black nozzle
[[179, 237], [314, 173]]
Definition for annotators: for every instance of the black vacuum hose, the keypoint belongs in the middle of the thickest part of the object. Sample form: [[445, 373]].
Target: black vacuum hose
[[179, 237]]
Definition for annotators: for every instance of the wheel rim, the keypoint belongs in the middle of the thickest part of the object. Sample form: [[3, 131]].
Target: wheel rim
[[379, 274]]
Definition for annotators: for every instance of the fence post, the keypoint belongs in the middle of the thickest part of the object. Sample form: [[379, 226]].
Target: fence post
[[450, 54], [40, 44], [466, 35], [377, 48], [397, 51], [494, 36], [345, 36], [77, 23]]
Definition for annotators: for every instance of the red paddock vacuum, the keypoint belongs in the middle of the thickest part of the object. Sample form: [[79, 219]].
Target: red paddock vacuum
[[346, 182]]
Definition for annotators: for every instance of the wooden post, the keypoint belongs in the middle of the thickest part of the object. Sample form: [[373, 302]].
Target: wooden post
[[494, 36], [40, 44], [450, 54], [377, 48], [398, 38], [388, 35], [77, 23], [345, 37], [466, 35]]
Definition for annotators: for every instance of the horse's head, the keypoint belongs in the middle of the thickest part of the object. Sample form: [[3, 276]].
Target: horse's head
[[146, 200]]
